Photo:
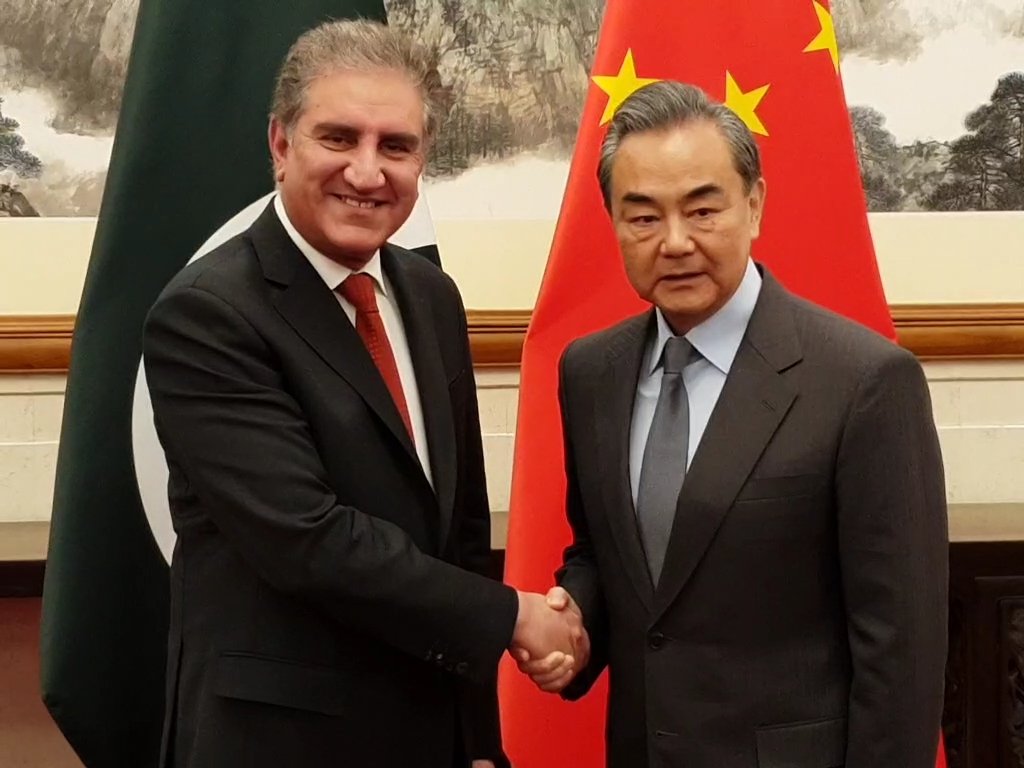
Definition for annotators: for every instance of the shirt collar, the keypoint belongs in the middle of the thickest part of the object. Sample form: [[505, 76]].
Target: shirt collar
[[718, 338], [330, 271]]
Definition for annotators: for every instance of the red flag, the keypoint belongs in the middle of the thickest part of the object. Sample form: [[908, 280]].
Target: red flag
[[775, 63]]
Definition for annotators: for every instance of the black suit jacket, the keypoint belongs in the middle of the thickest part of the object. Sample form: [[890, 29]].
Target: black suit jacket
[[327, 607], [800, 620]]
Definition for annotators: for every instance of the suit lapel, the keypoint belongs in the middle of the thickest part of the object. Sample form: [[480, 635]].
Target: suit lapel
[[425, 350], [313, 311], [752, 405], [613, 414]]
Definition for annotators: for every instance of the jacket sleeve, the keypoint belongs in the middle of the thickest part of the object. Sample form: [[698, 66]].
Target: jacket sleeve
[[893, 549], [579, 574], [224, 415]]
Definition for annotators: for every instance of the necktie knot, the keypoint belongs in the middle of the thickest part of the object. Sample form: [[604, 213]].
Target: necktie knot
[[358, 290], [677, 353]]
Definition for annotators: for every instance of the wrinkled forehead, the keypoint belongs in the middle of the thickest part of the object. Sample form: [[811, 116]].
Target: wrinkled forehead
[[377, 91], [677, 162]]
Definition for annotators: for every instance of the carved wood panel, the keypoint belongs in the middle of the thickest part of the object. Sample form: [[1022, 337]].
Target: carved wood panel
[[983, 721]]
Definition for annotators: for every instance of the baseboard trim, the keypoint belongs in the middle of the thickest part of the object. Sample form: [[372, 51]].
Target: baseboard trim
[[22, 579]]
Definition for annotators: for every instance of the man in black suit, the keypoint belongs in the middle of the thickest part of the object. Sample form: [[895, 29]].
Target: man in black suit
[[313, 391], [754, 487]]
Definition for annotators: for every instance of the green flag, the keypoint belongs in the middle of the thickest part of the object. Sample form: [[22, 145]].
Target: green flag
[[190, 151]]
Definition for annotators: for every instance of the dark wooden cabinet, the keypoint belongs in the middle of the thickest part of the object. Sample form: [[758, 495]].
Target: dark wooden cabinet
[[984, 718]]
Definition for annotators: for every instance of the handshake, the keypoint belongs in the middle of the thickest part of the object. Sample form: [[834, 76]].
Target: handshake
[[549, 642]]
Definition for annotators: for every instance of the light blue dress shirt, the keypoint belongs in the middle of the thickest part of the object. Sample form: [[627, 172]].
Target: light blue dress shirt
[[717, 339]]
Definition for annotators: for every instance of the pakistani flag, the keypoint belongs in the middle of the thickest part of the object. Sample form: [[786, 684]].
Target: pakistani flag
[[190, 159]]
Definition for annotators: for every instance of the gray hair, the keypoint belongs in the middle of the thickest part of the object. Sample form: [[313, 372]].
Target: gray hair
[[667, 104], [359, 45]]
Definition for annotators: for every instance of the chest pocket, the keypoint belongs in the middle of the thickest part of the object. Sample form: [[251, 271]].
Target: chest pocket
[[767, 488]]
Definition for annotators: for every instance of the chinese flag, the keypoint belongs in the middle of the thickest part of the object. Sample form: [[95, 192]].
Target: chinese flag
[[775, 63]]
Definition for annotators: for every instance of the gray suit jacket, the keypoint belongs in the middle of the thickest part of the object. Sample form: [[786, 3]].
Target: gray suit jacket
[[800, 620]]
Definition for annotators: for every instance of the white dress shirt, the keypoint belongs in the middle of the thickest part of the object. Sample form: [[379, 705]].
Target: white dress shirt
[[333, 275], [717, 340]]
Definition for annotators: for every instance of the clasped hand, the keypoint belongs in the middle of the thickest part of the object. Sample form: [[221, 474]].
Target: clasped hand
[[549, 642]]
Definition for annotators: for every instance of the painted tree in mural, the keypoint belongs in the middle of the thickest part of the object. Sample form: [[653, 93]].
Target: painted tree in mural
[[879, 159], [1008, 100], [15, 163], [923, 169], [895, 177], [12, 154], [986, 164]]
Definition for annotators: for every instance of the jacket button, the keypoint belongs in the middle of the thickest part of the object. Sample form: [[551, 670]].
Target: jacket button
[[461, 667], [655, 640]]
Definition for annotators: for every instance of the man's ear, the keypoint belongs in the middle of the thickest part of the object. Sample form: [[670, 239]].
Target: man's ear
[[756, 198], [280, 143]]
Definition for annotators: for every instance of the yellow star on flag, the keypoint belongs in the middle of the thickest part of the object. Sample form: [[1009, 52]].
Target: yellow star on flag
[[745, 104], [826, 38], [620, 86]]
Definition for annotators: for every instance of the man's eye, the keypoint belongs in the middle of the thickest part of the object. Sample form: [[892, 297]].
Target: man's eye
[[336, 139]]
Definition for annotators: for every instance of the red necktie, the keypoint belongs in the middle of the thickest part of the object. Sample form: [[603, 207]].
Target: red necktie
[[359, 291]]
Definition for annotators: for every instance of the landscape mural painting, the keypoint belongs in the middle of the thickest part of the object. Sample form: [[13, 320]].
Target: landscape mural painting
[[62, 65], [936, 95], [935, 88]]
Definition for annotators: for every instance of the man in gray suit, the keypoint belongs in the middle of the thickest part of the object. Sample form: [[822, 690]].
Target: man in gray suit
[[755, 487]]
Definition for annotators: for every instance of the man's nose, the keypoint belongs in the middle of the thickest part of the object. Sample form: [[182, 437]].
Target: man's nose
[[364, 172], [678, 240]]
